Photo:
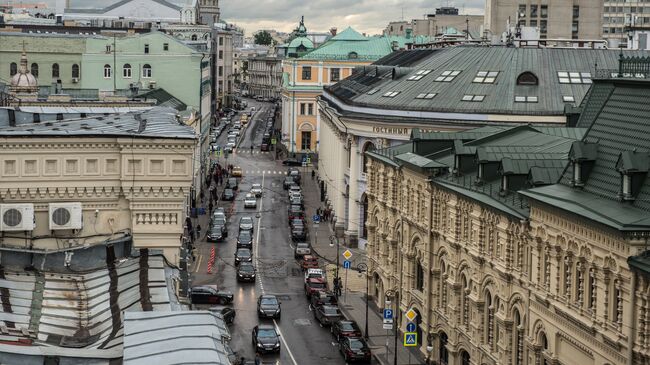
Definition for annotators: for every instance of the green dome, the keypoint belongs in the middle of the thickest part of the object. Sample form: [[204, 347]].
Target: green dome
[[306, 42]]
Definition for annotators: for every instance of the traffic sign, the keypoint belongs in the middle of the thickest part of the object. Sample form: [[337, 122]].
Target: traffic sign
[[388, 314], [410, 339], [388, 326], [273, 141], [411, 314], [304, 159], [346, 264], [410, 327], [347, 254], [308, 160], [316, 218]]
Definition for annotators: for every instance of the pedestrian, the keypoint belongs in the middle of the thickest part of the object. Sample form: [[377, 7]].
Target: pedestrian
[[202, 196], [313, 174], [198, 231], [210, 206], [337, 286], [258, 359], [252, 148]]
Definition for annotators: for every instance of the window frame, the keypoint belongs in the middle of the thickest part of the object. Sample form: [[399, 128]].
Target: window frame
[[127, 71], [108, 71], [56, 70], [306, 73], [147, 75]]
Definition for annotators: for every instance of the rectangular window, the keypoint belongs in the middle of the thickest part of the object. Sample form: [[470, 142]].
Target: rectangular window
[[542, 26], [533, 11], [476, 98], [522, 10], [221, 41], [165, 46], [526, 99], [146, 49], [220, 70], [373, 91], [486, 77], [568, 99], [447, 76], [543, 11], [305, 143], [574, 77], [419, 75], [533, 23], [108, 48], [426, 96], [335, 74], [576, 11], [391, 94], [574, 29], [220, 54], [306, 72], [310, 109]]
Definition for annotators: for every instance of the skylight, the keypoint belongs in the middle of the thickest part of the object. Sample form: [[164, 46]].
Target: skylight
[[568, 99], [574, 77], [426, 96], [486, 77], [447, 76], [526, 99], [391, 94], [373, 91], [419, 75], [473, 97]]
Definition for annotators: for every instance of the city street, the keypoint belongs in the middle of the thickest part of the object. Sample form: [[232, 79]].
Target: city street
[[303, 341]]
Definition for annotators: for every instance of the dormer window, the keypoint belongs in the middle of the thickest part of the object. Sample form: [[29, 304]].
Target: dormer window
[[633, 167], [527, 78], [627, 187], [582, 156], [577, 174]]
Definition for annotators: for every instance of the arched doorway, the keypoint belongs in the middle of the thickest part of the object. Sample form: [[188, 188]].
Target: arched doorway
[[464, 358], [444, 354], [378, 284]]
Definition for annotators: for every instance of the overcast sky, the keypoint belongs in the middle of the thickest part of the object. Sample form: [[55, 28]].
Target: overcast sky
[[370, 16]]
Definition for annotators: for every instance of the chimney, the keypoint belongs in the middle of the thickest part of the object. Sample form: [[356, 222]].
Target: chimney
[[333, 31]]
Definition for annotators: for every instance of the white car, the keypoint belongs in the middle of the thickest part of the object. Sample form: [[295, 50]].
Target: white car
[[295, 194], [250, 201], [256, 189], [314, 273], [229, 147]]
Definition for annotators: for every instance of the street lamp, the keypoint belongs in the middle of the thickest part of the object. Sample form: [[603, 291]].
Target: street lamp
[[394, 294], [332, 239], [429, 348], [363, 268]]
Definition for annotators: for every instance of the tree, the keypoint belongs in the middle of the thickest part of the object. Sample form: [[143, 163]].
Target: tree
[[264, 38]]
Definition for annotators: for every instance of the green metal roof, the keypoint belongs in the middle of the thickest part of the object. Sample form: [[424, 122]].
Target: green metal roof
[[296, 42], [349, 34], [640, 263], [351, 45]]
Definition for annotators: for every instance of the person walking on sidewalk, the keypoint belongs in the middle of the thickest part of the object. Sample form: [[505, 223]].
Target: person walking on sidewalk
[[337, 286], [313, 174], [198, 232], [210, 206]]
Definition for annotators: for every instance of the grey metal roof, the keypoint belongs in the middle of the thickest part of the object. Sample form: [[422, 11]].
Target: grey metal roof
[[545, 63], [189, 337], [116, 5], [158, 122]]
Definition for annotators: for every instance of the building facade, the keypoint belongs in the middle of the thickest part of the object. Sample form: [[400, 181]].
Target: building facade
[[623, 19], [265, 77], [437, 24], [556, 19]]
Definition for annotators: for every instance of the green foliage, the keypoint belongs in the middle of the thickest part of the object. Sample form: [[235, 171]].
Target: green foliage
[[263, 38]]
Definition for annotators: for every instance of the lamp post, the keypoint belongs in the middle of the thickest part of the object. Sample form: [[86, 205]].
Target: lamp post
[[363, 268], [429, 348], [332, 239], [394, 294]]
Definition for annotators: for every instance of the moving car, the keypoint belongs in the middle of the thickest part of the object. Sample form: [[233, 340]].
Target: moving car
[[256, 189], [246, 272], [245, 240], [250, 201], [288, 181], [218, 213], [216, 233], [232, 183], [301, 250], [264, 146], [314, 285], [228, 313], [236, 171], [228, 194], [268, 306], [292, 162], [266, 338], [309, 262], [243, 255], [355, 349], [345, 328], [209, 294], [327, 314], [229, 147], [246, 224]]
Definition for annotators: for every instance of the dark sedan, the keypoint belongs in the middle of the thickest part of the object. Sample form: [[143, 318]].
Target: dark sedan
[[288, 181], [299, 233], [245, 240], [327, 314], [228, 313], [345, 328], [295, 211], [266, 338], [209, 294], [228, 194], [232, 183], [323, 297], [216, 233], [246, 272], [291, 162], [268, 306], [355, 349], [243, 255]]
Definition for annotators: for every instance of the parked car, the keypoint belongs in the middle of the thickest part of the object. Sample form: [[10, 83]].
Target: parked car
[[256, 189], [345, 328], [295, 211], [232, 183], [299, 233], [266, 338], [245, 240], [323, 297], [314, 285], [302, 249], [268, 306], [246, 272], [228, 194], [250, 201], [355, 349], [292, 162], [246, 224], [314, 273], [295, 173], [236, 171], [243, 255], [209, 294], [295, 189], [327, 314], [297, 222], [309, 262], [296, 200], [264, 147], [288, 181], [228, 313]]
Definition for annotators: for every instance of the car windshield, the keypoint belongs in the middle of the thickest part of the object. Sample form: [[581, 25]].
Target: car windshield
[[219, 220], [232, 181], [250, 197], [227, 191], [266, 332], [246, 220], [356, 344], [288, 178], [257, 186], [330, 310], [295, 208], [297, 222], [302, 245], [243, 253], [216, 229], [317, 286], [347, 326], [269, 301]]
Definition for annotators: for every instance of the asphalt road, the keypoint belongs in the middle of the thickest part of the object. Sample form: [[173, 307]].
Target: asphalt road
[[303, 340]]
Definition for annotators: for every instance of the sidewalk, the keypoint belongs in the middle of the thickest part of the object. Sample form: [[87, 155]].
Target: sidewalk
[[353, 298]]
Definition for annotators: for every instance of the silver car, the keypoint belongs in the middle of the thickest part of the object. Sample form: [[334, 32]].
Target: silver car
[[250, 201], [256, 189], [246, 223]]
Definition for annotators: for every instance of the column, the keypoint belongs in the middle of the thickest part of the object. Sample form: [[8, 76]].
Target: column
[[352, 232], [339, 202]]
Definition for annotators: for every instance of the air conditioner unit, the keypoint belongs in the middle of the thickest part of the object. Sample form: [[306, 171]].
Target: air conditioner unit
[[152, 84], [75, 80], [17, 217], [65, 216]]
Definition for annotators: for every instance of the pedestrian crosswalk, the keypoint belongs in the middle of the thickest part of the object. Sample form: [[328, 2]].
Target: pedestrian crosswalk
[[265, 172], [248, 151]]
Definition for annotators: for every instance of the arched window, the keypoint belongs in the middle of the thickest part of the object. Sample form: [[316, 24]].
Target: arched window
[[126, 71], [107, 71], [518, 339], [13, 69], [353, 55], [55, 70], [527, 78], [146, 71], [443, 287], [35, 69], [364, 229], [444, 353], [369, 146], [543, 342], [75, 71], [464, 358], [419, 276], [194, 37]]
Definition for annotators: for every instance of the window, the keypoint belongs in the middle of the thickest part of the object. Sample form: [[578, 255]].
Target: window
[[419, 277], [543, 11], [522, 10], [335, 74], [146, 71], [527, 78], [419, 75], [165, 46], [194, 37], [533, 11], [391, 94], [221, 41], [574, 77], [146, 49], [353, 55], [35, 69], [444, 353], [533, 23], [126, 71], [576, 11], [486, 77], [575, 26], [426, 96], [542, 26], [75, 71], [220, 54], [568, 99], [306, 72], [55, 70], [477, 98], [220, 70], [373, 91], [13, 69], [305, 142], [107, 71], [306, 109], [447, 76], [108, 48], [525, 99]]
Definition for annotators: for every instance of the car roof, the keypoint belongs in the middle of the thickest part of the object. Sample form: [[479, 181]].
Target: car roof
[[268, 296], [243, 250], [316, 280], [266, 327]]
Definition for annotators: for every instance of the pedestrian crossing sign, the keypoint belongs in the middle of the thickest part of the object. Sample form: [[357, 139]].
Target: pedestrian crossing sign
[[410, 339]]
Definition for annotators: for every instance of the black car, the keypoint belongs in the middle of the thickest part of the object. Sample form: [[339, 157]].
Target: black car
[[355, 349], [232, 183], [264, 147], [292, 162], [323, 298], [245, 239], [266, 338], [216, 233], [243, 255], [246, 272], [209, 294], [288, 181], [228, 194], [228, 313], [268, 306], [345, 328], [299, 233], [327, 314], [297, 222]]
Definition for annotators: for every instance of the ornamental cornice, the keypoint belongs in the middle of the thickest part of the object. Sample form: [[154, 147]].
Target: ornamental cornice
[[94, 192]]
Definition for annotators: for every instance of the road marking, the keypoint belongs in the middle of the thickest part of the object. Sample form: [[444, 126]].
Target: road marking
[[198, 263], [285, 343]]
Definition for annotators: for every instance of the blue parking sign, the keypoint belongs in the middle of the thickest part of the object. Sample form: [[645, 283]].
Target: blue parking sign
[[316, 218], [388, 314]]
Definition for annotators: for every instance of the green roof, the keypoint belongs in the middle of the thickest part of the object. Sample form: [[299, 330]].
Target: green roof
[[296, 42], [352, 45], [349, 34], [640, 263]]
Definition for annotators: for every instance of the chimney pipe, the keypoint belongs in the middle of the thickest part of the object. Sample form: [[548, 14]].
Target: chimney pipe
[[333, 31]]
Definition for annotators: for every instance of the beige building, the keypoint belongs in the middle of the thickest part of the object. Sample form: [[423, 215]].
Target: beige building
[[555, 19], [502, 264], [265, 76], [622, 17], [444, 21]]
